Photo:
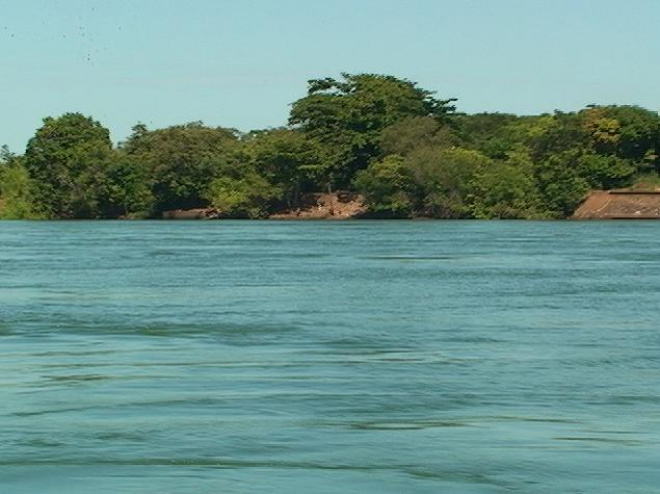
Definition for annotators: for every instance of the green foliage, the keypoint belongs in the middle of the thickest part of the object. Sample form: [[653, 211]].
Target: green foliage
[[247, 196], [410, 133], [16, 189], [406, 151], [347, 116], [432, 181], [563, 132], [289, 160], [497, 135], [648, 180], [560, 185], [443, 178], [604, 131], [387, 187], [487, 132], [506, 190], [67, 159], [179, 162], [129, 189], [638, 132], [605, 172]]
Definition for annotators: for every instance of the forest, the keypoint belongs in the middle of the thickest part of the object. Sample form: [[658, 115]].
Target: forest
[[407, 153]]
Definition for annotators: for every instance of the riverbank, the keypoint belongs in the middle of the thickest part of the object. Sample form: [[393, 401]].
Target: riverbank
[[313, 206], [598, 205], [620, 204]]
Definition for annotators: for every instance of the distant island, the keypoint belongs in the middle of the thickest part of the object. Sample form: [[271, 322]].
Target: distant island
[[361, 146]]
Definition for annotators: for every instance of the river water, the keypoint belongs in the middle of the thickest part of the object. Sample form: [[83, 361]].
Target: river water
[[320, 357]]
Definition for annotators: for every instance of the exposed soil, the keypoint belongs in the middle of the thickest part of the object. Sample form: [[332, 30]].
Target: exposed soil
[[192, 214], [335, 206], [620, 204]]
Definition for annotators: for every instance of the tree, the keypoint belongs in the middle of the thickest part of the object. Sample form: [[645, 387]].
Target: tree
[[179, 162], [348, 116], [387, 187], [561, 133], [289, 160], [443, 178], [67, 158], [637, 134], [603, 130], [605, 172], [238, 191], [16, 188], [560, 185], [486, 132], [506, 190], [411, 133], [129, 189]]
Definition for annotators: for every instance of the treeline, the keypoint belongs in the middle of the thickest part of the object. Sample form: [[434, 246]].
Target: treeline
[[407, 152]]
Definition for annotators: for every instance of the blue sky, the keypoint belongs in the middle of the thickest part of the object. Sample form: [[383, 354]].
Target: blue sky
[[241, 63]]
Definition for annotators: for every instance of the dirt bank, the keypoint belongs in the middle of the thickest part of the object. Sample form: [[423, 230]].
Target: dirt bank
[[620, 204], [192, 214], [335, 206]]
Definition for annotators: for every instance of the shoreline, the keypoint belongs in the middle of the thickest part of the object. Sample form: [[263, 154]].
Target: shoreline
[[598, 205]]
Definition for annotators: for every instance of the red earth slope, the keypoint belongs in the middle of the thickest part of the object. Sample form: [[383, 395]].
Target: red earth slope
[[620, 204]]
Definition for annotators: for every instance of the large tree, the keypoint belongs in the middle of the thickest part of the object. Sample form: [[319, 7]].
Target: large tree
[[68, 158], [288, 159], [630, 132], [179, 162], [348, 115], [444, 180]]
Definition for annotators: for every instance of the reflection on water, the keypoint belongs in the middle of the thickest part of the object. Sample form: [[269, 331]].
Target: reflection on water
[[370, 357]]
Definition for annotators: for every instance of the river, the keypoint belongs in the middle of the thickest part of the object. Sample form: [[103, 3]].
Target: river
[[329, 357]]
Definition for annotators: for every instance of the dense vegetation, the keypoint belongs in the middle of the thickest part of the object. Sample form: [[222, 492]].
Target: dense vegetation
[[408, 153]]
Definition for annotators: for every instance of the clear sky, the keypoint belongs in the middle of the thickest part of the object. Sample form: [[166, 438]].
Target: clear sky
[[241, 63]]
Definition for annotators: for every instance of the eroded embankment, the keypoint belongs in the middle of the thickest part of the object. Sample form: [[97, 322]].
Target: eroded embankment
[[335, 206], [316, 206], [620, 204]]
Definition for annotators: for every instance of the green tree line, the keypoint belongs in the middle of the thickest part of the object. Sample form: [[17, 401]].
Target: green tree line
[[407, 152]]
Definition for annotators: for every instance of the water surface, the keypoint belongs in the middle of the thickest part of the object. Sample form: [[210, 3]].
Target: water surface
[[354, 357]]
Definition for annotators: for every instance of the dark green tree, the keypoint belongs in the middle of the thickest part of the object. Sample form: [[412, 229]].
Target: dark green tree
[[632, 132], [129, 189], [387, 187], [68, 159], [506, 190], [560, 184], [179, 162], [411, 133], [288, 159], [605, 172], [348, 115], [443, 178], [561, 133]]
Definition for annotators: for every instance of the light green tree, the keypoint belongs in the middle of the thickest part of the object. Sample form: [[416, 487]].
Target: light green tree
[[16, 189], [387, 187]]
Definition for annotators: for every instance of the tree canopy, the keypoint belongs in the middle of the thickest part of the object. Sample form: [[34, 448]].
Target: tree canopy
[[67, 158], [406, 151], [349, 114]]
